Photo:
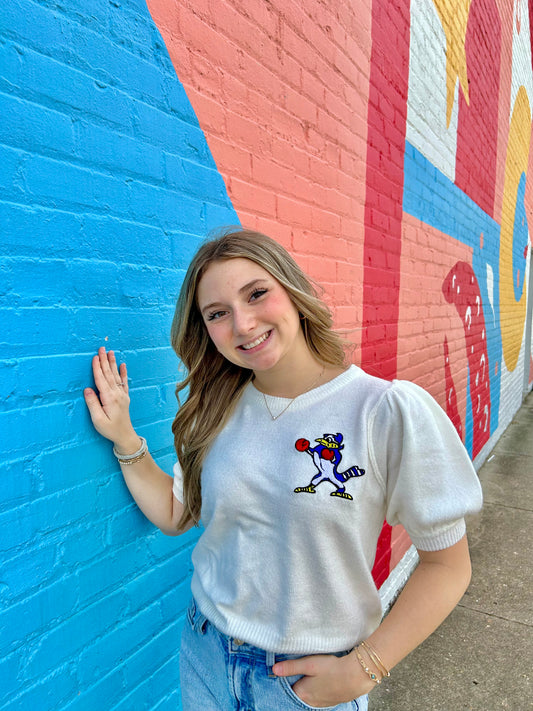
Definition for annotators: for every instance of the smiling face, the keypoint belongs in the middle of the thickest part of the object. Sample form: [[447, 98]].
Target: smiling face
[[249, 316]]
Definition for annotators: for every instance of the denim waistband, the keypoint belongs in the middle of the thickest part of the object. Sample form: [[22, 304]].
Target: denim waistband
[[235, 646]]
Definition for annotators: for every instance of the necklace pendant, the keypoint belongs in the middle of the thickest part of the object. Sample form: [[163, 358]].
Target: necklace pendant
[[272, 416], [275, 417]]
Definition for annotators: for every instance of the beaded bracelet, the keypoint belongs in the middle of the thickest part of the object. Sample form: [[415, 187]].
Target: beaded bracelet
[[135, 457], [373, 677], [374, 657]]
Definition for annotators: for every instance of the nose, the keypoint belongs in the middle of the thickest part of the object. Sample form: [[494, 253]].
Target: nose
[[244, 321]]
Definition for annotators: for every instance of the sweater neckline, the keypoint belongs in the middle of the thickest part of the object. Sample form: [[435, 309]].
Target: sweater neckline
[[308, 397]]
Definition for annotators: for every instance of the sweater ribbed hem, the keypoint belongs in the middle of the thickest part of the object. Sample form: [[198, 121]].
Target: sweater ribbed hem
[[252, 633], [441, 540]]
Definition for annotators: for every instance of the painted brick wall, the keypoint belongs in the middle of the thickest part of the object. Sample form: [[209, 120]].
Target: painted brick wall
[[385, 143], [107, 187]]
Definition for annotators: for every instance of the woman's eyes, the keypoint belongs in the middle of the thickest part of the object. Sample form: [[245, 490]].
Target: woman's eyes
[[256, 294]]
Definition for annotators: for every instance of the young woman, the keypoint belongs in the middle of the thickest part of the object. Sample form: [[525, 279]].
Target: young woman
[[291, 460]]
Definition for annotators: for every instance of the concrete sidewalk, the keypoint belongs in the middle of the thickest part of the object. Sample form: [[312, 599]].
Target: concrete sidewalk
[[481, 658]]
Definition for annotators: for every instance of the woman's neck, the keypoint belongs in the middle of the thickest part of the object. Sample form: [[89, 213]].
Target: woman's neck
[[291, 382]]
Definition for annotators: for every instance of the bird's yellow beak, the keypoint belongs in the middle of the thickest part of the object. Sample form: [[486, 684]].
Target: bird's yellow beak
[[329, 445]]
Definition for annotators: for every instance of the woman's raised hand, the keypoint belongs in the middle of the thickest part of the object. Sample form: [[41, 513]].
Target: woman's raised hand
[[109, 409]]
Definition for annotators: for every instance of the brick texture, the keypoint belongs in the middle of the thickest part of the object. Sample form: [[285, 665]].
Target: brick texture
[[132, 129], [107, 187]]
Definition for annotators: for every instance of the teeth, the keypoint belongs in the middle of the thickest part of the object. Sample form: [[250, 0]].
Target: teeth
[[256, 342]]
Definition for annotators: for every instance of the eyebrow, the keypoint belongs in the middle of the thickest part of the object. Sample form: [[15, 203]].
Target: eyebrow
[[242, 290]]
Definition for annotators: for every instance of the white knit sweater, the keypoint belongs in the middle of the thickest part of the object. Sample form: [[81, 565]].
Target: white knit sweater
[[290, 571]]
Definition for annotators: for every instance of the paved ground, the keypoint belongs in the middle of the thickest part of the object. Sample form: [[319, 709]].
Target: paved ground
[[481, 658]]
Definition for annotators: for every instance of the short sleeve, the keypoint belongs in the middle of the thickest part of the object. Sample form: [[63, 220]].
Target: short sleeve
[[177, 486], [429, 479]]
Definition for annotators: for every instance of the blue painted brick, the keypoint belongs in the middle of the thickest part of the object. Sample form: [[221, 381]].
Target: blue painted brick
[[192, 178], [16, 479], [159, 435], [172, 702], [163, 365], [91, 459], [35, 128], [162, 681], [64, 377], [147, 586], [131, 25], [73, 91], [145, 402], [112, 495], [23, 621], [98, 146], [31, 331], [57, 282], [47, 694], [107, 691], [184, 247], [109, 572], [216, 216], [125, 240], [11, 185], [44, 515], [56, 229], [51, 180], [27, 571], [153, 655], [36, 24], [108, 651], [161, 128], [108, 188], [66, 640], [164, 207], [124, 526], [177, 600], [48, 424], [9, 676]]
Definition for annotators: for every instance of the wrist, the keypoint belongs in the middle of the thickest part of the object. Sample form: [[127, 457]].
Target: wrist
[[128, 444], [359, 682], [369, 664]]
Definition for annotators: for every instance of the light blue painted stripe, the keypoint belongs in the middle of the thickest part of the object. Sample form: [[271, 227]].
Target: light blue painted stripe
[[433, 198]]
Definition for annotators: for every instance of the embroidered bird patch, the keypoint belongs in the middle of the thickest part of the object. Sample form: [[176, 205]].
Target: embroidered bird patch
[[327, 458]]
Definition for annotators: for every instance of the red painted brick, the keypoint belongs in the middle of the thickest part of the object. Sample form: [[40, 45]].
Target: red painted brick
[[264, 15], [293, 212], [298, 105], [212, 116], [243, 193]]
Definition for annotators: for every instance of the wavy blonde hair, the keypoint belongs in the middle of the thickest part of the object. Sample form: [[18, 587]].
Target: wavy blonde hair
[[213, 384]]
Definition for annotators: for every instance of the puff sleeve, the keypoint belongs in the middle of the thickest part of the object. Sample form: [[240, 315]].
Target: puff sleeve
[[177, 485], [429, 481]]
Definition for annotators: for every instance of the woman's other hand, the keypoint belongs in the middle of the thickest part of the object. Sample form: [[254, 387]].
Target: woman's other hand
[[109, 409], [327, 680]]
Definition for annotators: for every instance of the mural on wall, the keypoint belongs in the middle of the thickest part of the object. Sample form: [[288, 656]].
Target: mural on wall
[[439, 160], [386, 144]]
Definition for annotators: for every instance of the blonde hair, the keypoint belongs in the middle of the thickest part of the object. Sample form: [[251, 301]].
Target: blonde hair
[[215, 384]]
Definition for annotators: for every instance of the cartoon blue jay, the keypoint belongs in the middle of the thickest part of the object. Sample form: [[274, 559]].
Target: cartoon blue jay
[[326, 458]]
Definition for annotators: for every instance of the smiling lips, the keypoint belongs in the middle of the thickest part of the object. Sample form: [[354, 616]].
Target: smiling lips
[[257, 342]]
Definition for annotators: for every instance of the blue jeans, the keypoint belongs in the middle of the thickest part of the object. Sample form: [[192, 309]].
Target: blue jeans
[[219, 673]]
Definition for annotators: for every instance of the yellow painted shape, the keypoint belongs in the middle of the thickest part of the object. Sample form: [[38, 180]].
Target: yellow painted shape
[[453, 15], [513, 312]]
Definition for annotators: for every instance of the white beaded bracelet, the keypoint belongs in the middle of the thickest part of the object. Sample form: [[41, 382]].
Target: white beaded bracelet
[[135, 457]]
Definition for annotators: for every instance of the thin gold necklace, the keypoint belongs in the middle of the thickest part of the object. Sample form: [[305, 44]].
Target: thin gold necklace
[[275, 417]]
